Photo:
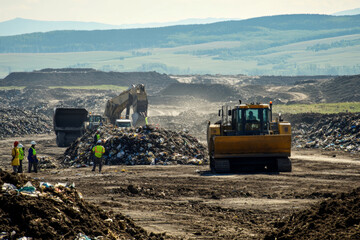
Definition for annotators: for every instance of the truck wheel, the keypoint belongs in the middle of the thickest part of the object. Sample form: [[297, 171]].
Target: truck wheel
[[60, 139], [212, 165], [284, 164], [222, 165]]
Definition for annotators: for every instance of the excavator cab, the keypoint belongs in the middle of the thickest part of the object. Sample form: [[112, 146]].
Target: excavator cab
[[136, 98]]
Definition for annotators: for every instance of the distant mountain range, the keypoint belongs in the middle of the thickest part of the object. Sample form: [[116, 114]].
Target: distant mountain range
[[355, 11], [22, 26], [18, 26], [272, 31]]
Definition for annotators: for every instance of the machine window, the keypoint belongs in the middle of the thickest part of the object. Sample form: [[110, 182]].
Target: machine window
[[239, 123], [252, 115], [266, 118]]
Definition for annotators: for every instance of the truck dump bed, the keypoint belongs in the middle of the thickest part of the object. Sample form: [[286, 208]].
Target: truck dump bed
[[69, 124]]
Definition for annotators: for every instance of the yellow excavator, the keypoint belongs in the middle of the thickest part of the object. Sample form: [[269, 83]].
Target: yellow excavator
[[247, 139], [134, 97]]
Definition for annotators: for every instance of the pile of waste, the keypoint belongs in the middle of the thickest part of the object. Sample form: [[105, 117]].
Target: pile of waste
[[46, 162], [335, 218], [40, 210], [328, 131], [17, 122], [28, 99], [141, 146]]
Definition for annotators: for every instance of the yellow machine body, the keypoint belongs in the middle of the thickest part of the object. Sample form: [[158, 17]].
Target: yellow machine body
[[256, 146], [268, 149]]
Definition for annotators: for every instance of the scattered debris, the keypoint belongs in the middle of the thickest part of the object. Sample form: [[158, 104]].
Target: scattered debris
[[141, 146], [43, 211]]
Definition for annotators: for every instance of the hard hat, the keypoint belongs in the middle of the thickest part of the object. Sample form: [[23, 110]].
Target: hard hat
[[99, 141], [16, 143], [33, 143], [20, 145]]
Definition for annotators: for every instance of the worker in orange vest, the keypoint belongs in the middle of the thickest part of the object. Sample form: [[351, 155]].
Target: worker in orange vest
[[98, 151]]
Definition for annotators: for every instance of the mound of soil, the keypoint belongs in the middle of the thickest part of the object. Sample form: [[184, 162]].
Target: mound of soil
[[141, 146], [209, 92], [59, 212], [86, 77], [336, 218], [342, 89]]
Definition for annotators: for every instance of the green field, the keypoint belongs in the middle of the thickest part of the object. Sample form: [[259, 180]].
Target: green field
[[11, 87], [318, 108], [206, 58]]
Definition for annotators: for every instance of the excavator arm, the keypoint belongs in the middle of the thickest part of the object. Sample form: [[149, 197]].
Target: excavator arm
[[136, 98]]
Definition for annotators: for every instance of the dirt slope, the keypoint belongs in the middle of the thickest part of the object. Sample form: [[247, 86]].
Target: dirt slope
[[335, 218], [86, 77]]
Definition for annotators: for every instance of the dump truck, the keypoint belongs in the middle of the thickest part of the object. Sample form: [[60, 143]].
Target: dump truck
[[94, 121], [69, 124], [246, 138], [135, 99]]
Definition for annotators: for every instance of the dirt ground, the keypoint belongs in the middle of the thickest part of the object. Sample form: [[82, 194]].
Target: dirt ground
[[189, 202]]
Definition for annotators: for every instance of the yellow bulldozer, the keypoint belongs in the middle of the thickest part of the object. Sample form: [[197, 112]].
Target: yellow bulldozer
[[247, 139]]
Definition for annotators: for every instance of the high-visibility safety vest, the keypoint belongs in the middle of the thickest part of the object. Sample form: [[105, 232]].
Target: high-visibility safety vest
[[146, 121], [21, 154], [99, 151], [98, 137], [34, 151]]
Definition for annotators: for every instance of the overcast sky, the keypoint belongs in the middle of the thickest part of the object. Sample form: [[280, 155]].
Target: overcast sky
[[147, 11]]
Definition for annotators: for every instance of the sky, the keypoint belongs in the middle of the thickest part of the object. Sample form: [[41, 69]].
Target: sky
[[119, 12]]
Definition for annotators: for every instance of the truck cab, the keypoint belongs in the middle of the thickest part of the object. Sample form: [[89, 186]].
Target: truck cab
[[95, 121], [123, 123]]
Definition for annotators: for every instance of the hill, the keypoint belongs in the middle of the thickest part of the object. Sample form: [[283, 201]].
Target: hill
[[86, 77], [354, 11], [287, 45], [264, 32], [19, 26]]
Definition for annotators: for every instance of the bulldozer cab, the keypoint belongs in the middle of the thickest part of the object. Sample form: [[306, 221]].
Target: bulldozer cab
[[246, 120]]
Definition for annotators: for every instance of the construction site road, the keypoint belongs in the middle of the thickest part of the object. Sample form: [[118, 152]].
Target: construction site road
[[189, 202]]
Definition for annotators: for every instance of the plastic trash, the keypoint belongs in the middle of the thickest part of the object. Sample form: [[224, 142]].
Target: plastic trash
[[7, 187]]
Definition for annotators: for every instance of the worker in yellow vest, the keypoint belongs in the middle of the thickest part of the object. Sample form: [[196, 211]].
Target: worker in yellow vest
[[97, 136], [98, 151], [15, 162], [21, 157]]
